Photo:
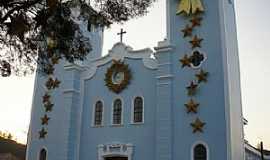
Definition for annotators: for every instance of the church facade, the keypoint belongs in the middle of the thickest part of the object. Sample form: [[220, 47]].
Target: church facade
[[181, 100]]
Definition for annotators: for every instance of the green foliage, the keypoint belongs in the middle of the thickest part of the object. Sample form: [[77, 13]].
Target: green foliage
[[43, 31]]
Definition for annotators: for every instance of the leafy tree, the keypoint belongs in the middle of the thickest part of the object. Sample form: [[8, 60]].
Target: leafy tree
[[43, 31]]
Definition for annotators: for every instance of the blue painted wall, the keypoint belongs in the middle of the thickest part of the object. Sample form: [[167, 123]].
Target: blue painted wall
[[141, 136]]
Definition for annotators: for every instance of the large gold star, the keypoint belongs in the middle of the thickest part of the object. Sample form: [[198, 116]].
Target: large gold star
[[192, 88], [187, 31], [202, 76], [197, 126], [192, 106], [45, 119], [185, 61], [196, 42], [48, 106], [42, 133], [196, 21]]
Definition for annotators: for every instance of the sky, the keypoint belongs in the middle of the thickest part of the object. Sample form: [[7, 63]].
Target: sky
[[254, 52]]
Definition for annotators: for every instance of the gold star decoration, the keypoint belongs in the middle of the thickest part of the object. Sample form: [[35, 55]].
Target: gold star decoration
[[202, 76], [48, 106], [192, 88], [42, 133], [197, 126], [187, 31], [49, 69], [46, 98], [185, 61], [196, 21], [55, 59], [52, 84], [45, 119], [192, 106], [196, 42]]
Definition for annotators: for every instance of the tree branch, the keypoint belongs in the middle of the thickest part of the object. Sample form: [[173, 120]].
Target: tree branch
[[18, 8]]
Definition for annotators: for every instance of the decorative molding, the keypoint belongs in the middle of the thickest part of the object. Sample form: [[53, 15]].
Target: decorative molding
[[168, 76], [163, 46], [71, 90], [202, 62], [74, 66], [119, 52], [115, 149]]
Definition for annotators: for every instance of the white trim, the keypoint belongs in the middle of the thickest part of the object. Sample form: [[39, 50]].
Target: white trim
[[94, 115], [122, 112], [38, 155], [115, 149], [132, 110], [198, 143], [121, 51]]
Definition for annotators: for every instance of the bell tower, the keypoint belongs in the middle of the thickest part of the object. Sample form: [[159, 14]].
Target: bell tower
[[206, 90]]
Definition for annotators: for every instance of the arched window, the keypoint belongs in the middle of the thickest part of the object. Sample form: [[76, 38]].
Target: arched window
[[98, 113], [138, 110], [117, 111], [200, 152], [43, 154]]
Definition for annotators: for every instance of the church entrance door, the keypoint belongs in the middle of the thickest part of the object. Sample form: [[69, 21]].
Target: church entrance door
[[116, 158]]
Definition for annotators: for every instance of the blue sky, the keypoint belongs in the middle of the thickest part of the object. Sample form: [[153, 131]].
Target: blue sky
[[253, 21]]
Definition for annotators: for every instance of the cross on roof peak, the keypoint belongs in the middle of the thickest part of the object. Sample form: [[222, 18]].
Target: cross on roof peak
[[122, 32]]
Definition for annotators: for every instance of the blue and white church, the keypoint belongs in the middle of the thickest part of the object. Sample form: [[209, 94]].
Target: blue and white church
[[180, 101]]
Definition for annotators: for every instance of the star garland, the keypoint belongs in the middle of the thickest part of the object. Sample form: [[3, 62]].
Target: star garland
[[193, 9], [51, 84]]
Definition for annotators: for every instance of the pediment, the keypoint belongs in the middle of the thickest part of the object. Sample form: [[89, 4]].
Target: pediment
[[120, 51]]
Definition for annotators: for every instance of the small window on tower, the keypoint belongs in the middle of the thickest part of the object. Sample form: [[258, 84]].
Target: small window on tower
[[117, 112], [200, 152], [138, 110], [43, 154], [98, 113]]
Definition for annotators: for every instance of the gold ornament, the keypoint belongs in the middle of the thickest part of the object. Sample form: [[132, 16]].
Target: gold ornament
[[202, 76], [192, 88], [187, 31], [46, 98], [52, 84], [48, 106], [196, 42], [42, 133], [190, 7], [192, 106], [55, 60], [196, 21], [118, 76], [45, 120], [185, 61], [197, 126]]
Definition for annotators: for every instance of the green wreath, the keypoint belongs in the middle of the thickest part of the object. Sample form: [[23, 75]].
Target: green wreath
[[117, 67]]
